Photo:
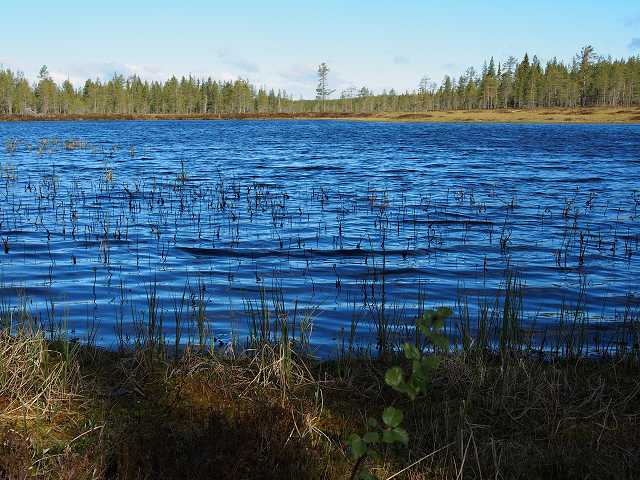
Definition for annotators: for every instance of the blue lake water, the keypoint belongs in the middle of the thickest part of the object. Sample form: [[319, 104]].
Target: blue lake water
[[336, 217]]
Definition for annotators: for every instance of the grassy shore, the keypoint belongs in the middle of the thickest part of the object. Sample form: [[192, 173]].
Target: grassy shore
[[578, 115], [82, 412]]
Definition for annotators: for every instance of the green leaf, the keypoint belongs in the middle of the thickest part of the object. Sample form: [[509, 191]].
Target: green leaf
[[372, 422], [417, 384], [371, 437], [416, 368], [358, 447], [401, 435], [438, 323], [408, 389], [441, 314], [388, 437], [421, 374], [392, 417], [396, 435], [411, 351], [424, 323], [394, 377]]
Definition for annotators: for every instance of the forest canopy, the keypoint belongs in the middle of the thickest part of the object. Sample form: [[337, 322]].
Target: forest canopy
[[588, 81]]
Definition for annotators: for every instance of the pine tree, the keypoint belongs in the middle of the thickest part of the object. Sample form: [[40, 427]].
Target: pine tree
[[323, 91], [585, 57]]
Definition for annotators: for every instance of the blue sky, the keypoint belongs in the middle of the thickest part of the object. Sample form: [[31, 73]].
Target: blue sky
[[378, 44]]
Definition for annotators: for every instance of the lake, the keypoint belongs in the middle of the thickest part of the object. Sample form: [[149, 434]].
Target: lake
[[336, 226]]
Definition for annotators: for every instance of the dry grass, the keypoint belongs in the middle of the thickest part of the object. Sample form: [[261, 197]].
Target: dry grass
[[91, 413], [579, 115], [532, 419], [538, 115], [43, 412], [35, 381]]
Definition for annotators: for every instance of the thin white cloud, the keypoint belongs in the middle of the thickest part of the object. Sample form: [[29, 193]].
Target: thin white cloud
[[77, 74], [245, 66], [634, 44], [300, 74]]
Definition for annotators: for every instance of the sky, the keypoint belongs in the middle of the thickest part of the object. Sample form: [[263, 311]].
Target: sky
[[379, 44]]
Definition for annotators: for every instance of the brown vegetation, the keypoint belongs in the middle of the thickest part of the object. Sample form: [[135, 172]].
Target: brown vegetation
[[83, 412], [581, 115]]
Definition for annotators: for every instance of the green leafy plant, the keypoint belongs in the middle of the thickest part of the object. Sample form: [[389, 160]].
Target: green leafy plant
[[425, 358], [389, 432]]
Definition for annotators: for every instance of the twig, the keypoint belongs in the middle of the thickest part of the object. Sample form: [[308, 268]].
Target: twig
[[420, 460], [84, 433]]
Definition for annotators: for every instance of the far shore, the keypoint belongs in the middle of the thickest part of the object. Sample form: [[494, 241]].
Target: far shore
[[597, 115]]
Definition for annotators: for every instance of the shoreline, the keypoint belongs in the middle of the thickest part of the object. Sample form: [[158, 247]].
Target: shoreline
[[140, 411], [591, 115]]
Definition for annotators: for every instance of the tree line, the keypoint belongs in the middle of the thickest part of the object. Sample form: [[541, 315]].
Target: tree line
[[588, 80]]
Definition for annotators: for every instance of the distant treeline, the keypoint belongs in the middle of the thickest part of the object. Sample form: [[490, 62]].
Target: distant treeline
[[587, 81]]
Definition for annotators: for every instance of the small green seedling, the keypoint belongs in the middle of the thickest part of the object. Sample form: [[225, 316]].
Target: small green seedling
[[423, 366]]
